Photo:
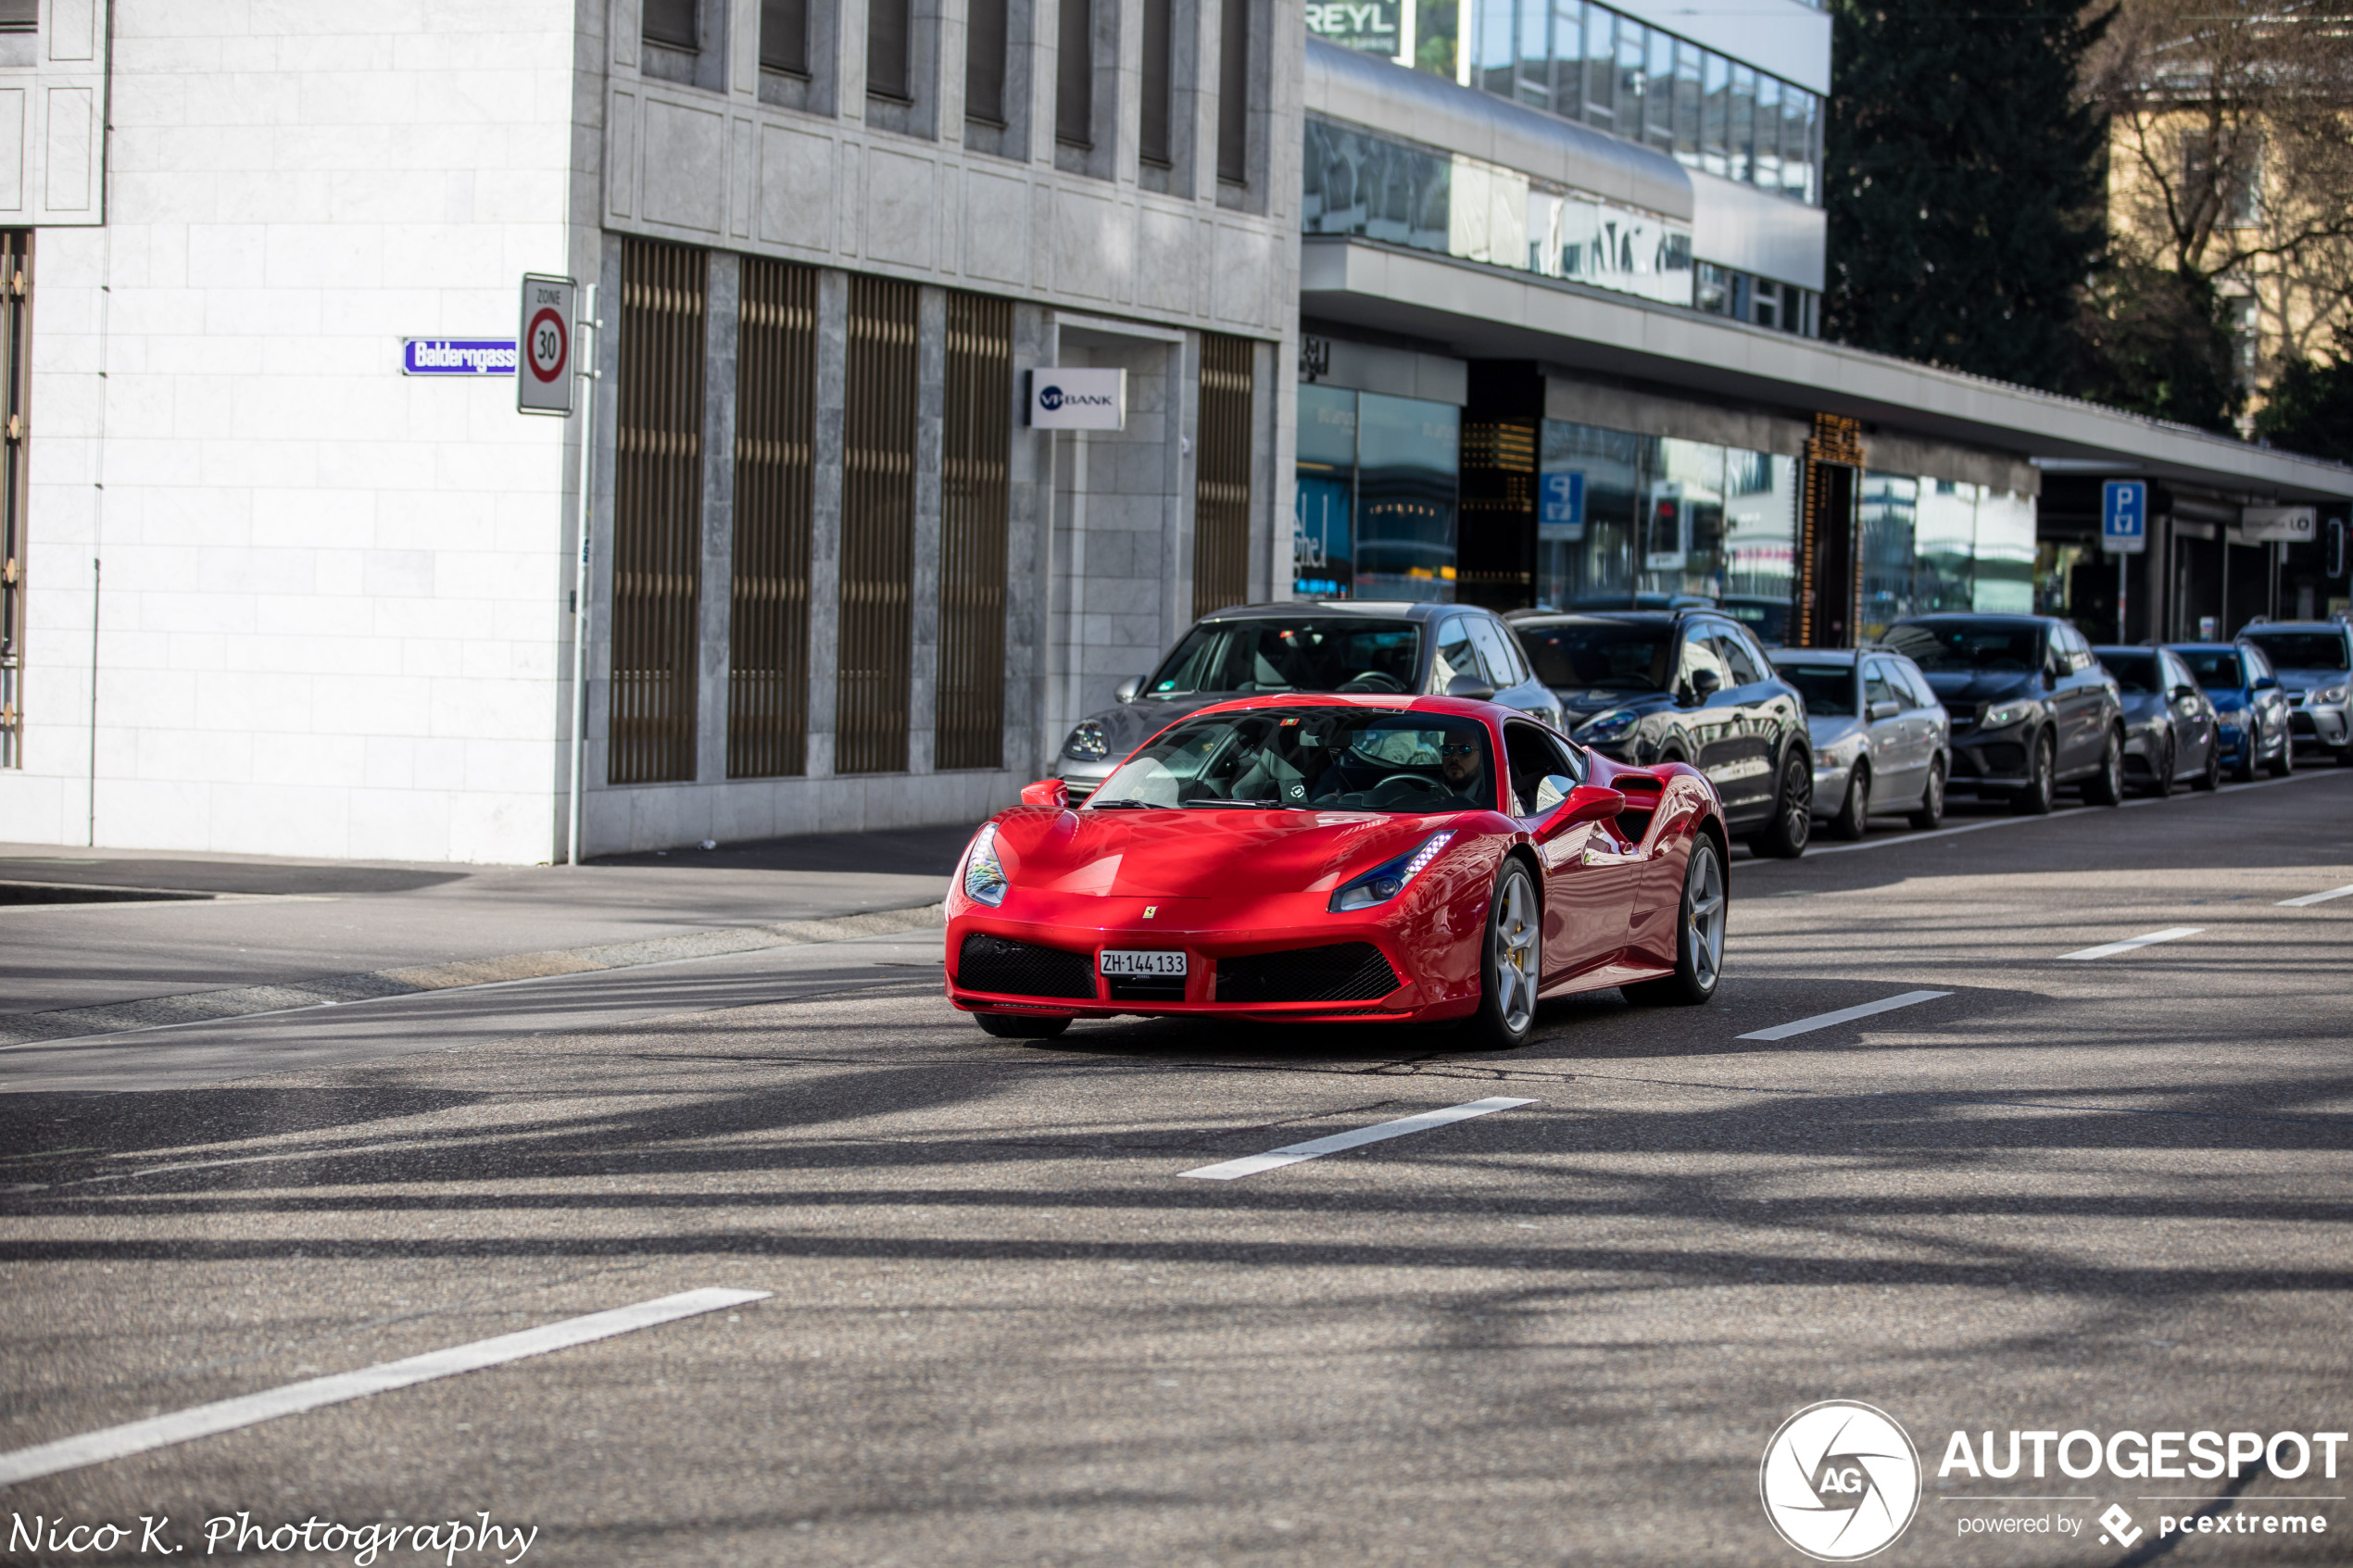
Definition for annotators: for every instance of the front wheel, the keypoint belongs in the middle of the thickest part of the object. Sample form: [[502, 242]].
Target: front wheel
[[2284, 763], [2107, 786], [1785, 838], [2210, 778], [1854, 819], [2034, 800], [1699, 948], [1931, 815], [1511, 963], [2161, 784], [1021, 1025]]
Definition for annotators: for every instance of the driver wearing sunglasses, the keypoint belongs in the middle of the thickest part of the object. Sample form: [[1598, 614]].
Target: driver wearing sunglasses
[[1465, 767]]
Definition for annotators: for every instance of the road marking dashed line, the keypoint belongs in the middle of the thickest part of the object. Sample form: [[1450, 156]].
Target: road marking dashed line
[[1844, 1015], [1293, 1154], [2105, 949]]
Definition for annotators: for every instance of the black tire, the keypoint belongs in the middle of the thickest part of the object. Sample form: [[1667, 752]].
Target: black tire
[[2243, 772], [2161, 784], [2034, 800], [1699, 940], [1854, 819], [1511, 963], [2107, 786], [1929, 815], [1022, 1025], [2284, 763], [2210, 778], [1792, 828], [2343, 755]]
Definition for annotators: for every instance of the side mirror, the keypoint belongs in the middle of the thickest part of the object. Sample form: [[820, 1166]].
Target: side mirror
[[1047, 792], [1552, 791], [2266, 684], [1127, 690], [1586, 803], [1470, 687], [1885, 710], [2178, 693], [1705, 684]]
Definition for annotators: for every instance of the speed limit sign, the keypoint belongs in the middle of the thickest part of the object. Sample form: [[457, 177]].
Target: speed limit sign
[[543, 384]]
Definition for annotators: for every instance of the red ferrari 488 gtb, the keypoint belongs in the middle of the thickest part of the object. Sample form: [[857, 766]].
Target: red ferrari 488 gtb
[[1364, 858]]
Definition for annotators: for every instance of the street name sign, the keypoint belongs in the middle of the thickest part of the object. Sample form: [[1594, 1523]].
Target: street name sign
[[457, 356]]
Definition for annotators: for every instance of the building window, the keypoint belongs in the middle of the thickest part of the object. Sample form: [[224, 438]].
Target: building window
[[784, 37], [973, 495], [871, 693], [985, 45], [887, 29], [657, 557], [1221, 472], [19, 16], [768, 621], [1233, 92], [1158, 84], [1074, 74], [673, 24]]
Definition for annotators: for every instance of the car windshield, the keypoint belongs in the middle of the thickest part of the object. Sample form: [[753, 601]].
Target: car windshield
[[1310, 654], [2217, 669], [1943, 647], [1323, 758], [2302, 650], [2136, 673], [1612, 656], [1828, 689]]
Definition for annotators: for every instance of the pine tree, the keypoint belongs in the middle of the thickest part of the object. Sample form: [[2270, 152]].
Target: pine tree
[[1964, 185]]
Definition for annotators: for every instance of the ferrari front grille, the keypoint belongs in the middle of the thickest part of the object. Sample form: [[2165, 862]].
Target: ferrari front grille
[[1344, 971], [1001, 965]]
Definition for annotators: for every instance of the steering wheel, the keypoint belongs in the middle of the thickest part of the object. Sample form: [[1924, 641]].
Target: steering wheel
[[1421, 781], [1373, 681]]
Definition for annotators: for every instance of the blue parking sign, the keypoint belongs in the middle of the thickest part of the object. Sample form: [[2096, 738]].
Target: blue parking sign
[[2124, 516], [1560, 506]]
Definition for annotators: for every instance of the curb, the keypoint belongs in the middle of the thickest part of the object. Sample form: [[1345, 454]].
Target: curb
[[196, 1007]]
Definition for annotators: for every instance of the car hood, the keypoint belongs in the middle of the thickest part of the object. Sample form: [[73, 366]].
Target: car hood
[[1127, 725], [1198, 853], [1991, 685], [1829, 731], [2228, 698], [2142, 706], [2311, 680], [1582, 704]]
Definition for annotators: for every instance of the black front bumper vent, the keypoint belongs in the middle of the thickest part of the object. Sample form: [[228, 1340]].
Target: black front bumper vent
[[1344, 971], [1022, 969]]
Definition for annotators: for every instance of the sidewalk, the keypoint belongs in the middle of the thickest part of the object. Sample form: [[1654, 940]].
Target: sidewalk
[[165, 938]]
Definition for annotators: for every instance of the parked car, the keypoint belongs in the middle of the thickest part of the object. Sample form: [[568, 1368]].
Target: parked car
[[1882, 740], [2314, 662], [1688, 686], [2032, 709], [2169, 728], [2250, 708], [1362, 645]]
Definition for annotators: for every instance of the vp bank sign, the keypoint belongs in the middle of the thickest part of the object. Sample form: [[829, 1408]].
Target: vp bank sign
[[1063, 397]]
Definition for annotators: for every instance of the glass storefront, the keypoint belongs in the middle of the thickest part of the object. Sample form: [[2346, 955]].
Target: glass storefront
[[1375, 515], [1932, 545]]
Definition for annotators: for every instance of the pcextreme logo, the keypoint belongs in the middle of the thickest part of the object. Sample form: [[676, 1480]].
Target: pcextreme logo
[[1840, 1481]]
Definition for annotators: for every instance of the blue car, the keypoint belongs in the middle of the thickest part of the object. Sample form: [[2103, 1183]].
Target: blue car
[[2252, 712]]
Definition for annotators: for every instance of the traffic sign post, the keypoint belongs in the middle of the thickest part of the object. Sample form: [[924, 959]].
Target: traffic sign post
[[543, 376], [2124, 528]]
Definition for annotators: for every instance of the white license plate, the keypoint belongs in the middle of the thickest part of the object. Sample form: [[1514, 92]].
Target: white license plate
[[1131, 962]]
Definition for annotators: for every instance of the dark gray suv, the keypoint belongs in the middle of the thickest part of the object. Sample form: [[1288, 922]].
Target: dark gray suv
[[1308, 646], [2032, 706]]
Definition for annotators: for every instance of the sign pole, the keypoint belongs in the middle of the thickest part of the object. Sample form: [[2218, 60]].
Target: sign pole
[[588, 327], [2120, 559]]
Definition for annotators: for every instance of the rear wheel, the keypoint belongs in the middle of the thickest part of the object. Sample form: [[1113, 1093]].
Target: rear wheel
[[1785, 838], [2284, 763], [2211, 778], [1511, 962], [1931, 814], [1699, 948], [2107, 786], [1021, 1025], [2034, 800], [1854, 819]]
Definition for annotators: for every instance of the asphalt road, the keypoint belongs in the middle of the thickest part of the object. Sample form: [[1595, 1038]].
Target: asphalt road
[[1000, 1326]]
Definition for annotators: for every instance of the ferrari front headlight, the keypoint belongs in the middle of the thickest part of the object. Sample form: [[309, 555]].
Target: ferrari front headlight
[[985, 881], [1388, 879]]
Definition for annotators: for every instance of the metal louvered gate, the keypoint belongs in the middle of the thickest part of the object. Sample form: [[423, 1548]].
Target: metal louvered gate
[[1221, 474], [768, 638], [978, 444], [878, 528], [657, 514], [16, 270]]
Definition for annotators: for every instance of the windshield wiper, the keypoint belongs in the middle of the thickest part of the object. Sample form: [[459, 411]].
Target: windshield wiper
[[1127, 806], [1221, 800]]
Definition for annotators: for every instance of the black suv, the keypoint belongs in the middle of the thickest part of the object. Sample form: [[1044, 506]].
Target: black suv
[[1649, 686], [2032, 706]]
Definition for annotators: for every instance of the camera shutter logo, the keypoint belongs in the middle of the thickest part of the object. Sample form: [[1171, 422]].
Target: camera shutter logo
[[1840, 1481]]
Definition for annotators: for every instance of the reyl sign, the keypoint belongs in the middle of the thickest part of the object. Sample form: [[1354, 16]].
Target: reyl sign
[[1064, 398]]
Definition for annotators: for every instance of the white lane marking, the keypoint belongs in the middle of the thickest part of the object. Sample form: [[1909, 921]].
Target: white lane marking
[[227, 1415], [2105, 949], [1293, 1154], [1844, 1015], [2311, 898]]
